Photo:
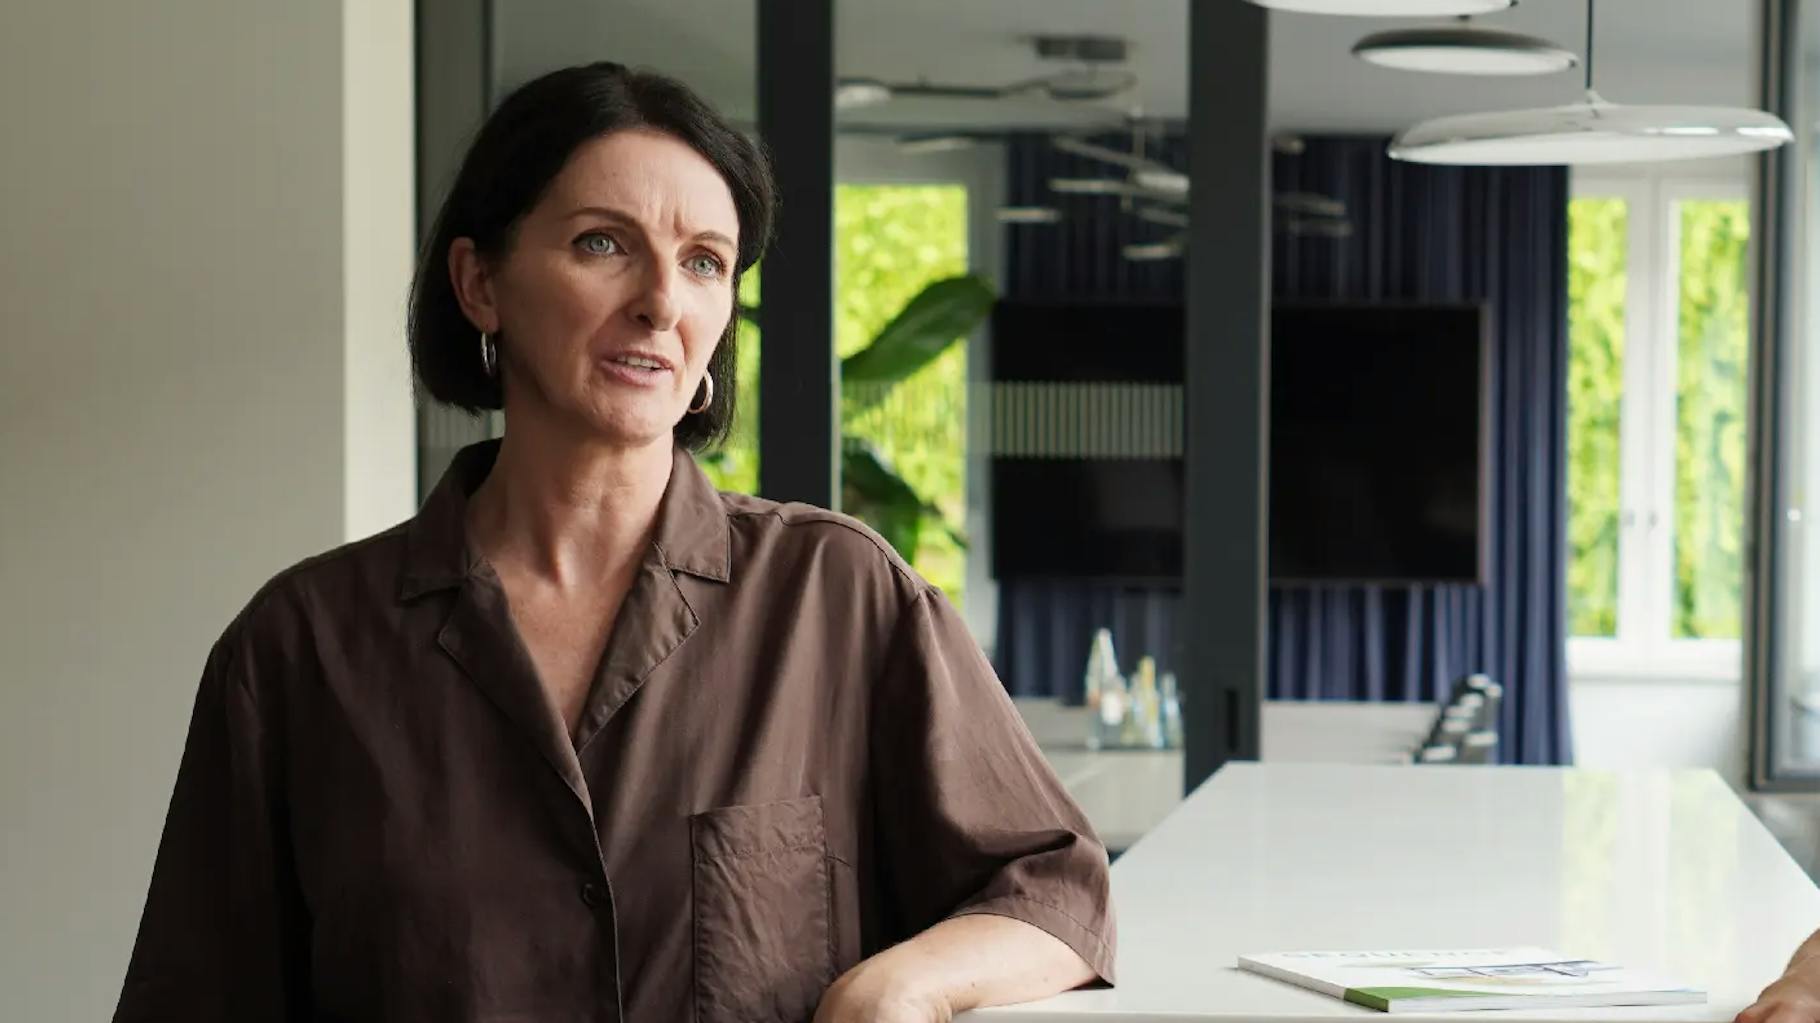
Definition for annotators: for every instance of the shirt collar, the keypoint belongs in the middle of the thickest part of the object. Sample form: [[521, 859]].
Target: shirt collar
[[692, 533]]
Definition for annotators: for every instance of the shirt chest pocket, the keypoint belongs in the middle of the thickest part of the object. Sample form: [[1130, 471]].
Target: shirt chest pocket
[[763, 932]]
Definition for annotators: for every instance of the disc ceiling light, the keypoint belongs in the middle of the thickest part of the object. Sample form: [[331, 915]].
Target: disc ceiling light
[[1465, 49], [1389, 8], [1592, 131]]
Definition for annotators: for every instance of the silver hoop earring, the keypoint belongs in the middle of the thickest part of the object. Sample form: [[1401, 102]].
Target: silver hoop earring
[[707, 381], [489, 354]]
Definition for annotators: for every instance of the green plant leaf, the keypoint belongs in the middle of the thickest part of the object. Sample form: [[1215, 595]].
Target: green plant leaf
[[941, 314], [954, 534], [870, 472], [873, 492]]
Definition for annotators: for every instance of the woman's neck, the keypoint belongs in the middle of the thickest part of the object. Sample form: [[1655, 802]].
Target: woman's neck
[[571, 511]]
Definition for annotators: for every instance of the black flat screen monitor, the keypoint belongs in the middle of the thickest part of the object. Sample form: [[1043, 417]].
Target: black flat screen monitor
[[1379, 444]]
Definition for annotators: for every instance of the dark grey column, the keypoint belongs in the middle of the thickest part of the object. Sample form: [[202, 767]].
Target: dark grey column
[[798, 376], [454, 94], [1775, 330], [1227, 386]]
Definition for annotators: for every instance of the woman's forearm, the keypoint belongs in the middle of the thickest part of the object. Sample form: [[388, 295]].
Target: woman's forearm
[[963, 963], [1796, 997], [980, 960], [1808, 950]]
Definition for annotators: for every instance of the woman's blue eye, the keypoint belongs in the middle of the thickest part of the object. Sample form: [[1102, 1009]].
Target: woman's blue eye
[[705, 266], [599, 244]]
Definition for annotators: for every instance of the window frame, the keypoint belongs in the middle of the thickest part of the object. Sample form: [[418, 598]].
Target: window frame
[[1645, 648], [1782, 374]]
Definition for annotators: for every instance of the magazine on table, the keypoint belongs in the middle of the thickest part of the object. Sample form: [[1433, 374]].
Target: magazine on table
[[1468, 979]]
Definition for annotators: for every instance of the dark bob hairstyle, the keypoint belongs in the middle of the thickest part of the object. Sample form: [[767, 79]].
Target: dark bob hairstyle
[[518, 152]]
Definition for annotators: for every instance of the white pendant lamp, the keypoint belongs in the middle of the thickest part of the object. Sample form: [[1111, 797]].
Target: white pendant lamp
[[1465, 50], [1389, 8], [1592, 131]]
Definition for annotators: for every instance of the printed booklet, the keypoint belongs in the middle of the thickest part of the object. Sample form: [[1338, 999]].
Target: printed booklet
[[1459, 980]]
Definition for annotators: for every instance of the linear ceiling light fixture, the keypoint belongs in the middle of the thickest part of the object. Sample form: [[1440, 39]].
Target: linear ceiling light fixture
[[1079, 85], [921, 145], [1028, 215], [1592, 131]]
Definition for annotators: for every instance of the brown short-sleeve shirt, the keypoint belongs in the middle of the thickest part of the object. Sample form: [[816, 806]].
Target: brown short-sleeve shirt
[[793, 756]]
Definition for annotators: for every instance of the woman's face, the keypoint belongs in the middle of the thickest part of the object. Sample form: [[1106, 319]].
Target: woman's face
[[616, 287]]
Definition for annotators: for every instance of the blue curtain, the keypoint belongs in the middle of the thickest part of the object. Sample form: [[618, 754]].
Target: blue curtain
[[1045, 626], [1418, 234], [1433, 234]]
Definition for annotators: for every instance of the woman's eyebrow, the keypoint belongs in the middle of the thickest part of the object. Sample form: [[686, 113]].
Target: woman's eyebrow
[[620, 215], [715, 236], [601, 211]]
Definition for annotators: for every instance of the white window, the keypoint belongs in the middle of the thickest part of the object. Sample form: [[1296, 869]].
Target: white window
[[1657, 392]]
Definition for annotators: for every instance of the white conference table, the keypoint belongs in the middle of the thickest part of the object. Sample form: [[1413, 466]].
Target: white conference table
[[1126, 793], [1663, 870]]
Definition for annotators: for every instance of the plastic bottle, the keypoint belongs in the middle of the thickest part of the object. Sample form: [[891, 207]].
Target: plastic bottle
[[1144, 722], [1172, 712]]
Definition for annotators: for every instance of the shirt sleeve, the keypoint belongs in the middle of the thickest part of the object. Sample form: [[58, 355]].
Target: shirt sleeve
[[222, 934], [971, 818]]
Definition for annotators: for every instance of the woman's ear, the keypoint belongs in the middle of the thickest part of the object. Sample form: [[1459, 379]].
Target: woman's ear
[[473, 284]]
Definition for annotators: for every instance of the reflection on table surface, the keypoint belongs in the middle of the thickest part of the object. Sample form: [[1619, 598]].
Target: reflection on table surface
[[1662, 870], [1126, 793]]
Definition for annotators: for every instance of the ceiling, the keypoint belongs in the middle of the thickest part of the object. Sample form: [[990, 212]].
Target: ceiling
[[1697, 51], [1648, 51]]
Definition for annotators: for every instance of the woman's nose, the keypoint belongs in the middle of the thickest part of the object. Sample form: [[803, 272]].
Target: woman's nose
[[655, 304]]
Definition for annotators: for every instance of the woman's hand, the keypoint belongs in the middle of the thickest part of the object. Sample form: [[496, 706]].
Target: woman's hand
[[1796, 997], [888, 988]]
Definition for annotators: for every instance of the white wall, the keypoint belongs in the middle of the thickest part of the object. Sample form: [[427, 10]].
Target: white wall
[[186, 307], [1660, 723], [378, 235]]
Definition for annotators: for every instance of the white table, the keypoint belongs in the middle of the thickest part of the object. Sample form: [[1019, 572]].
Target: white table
[[1662, 870], [1126, 793]]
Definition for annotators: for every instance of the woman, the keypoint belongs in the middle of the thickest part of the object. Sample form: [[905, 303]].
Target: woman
[[1796, 997], [586, 739]]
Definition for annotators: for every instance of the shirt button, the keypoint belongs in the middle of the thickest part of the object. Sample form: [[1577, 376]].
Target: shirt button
[[592, 894]]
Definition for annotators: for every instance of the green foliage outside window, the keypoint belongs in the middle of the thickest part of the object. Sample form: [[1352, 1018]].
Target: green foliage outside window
[[1597, 285], [891, 242], [1712, 321], [1711, 390]]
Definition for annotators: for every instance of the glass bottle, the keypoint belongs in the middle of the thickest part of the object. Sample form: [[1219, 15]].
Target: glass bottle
[[1105, 692]]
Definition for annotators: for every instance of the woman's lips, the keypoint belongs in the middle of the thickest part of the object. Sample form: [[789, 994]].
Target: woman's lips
[[635, 370]]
